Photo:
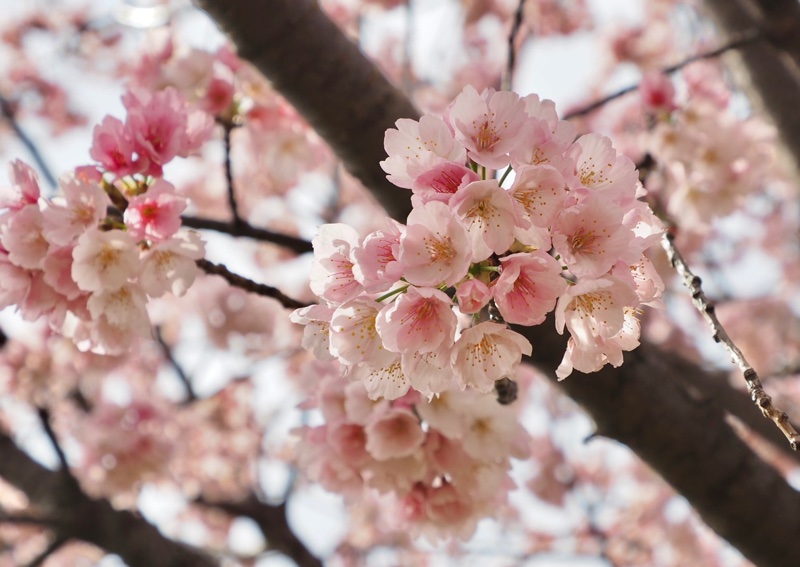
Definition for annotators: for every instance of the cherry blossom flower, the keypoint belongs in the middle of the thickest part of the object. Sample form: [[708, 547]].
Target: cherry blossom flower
[[23, 237], [24, 188], [104, 260], [331, 274], [538, 194], [485, 353], [85, 204], [316, 320], [487, 213], [487, 124], [420, 320], [156, 214], [170, 265], [435, 248], [528, 287], [473, 295], [394, 434], [353, 334], [375, 261]]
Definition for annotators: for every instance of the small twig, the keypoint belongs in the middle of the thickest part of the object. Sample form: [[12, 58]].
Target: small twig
[[26, 520], [706, 308], [8, 113], [249, 285], [227, 128], [54, 546], [191, 395], [512, 51], [246, 230], [740, 40]]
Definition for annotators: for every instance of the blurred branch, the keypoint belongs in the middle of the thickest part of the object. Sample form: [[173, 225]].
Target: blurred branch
[[8, 113], [246, 230], [44, 418], [191, 395], [271, 519], [511, 60], [227, 129], [739, 41], [706, 309], [73, 514], [249, 285]]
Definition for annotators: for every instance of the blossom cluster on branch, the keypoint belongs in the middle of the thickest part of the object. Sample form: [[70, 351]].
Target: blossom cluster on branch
[[568, 234], [89, 260]]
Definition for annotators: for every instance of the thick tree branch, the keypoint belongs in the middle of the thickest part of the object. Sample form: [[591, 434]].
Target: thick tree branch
[[343, 99], [73, 514], [642, 404], [249, 285]]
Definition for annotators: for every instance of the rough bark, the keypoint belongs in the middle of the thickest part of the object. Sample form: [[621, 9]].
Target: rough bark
[[643, 404]]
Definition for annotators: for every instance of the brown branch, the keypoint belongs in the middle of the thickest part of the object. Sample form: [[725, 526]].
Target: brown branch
[[706, 309], [74, 515], [739, 41], [247, 230], [227, 129], [511, 60], [249, 285], [191, 395], [271, 519]]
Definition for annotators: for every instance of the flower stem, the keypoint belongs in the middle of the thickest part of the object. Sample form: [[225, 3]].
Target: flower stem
[[393, 292], [505, 174]]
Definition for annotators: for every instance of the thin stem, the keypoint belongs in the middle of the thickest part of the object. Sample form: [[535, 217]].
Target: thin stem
[[8, 114], [707, 310], [393, 293], [512, 51], [249, 285], [745, 38], [505, 174], [227, 128], [246, 230], [191, 395]]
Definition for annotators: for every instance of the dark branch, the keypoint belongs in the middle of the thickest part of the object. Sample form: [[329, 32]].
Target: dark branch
[[516, 25], [271, 519], [249, 285], [247, 230], [742, 39], [44, 418], [227, 129], [191, 395], [8, 113]]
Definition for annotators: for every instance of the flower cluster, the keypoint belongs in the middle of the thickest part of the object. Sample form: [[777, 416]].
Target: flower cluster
[[88, 260], [568, 234], [446, 461]]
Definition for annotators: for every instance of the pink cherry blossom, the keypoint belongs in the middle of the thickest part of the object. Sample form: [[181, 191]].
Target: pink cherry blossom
[[316, 333], [115, 150], [353, 334], [598, 166], [85, 204], [375, 261], [394, 434], [156, 214], [428, 372], [590, 236], [170, 265], [594, 308], [331, 274], [485, 353], [420, 320], [473, 295], [385, 380], [14, 281], [538, 194], [528, 287], [487, 124], [414, 147], [24, 188], [104, 260], [485, 210], [23, 237], [441, 182], [435, 248]]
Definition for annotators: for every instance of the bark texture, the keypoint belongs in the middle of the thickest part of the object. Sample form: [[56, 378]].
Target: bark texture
[[644, 404]]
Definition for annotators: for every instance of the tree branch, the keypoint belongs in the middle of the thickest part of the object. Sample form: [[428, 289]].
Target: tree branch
[[8, 113], [739, 41], [271, 519], [247, 230], [73, 514], [249, 285]]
